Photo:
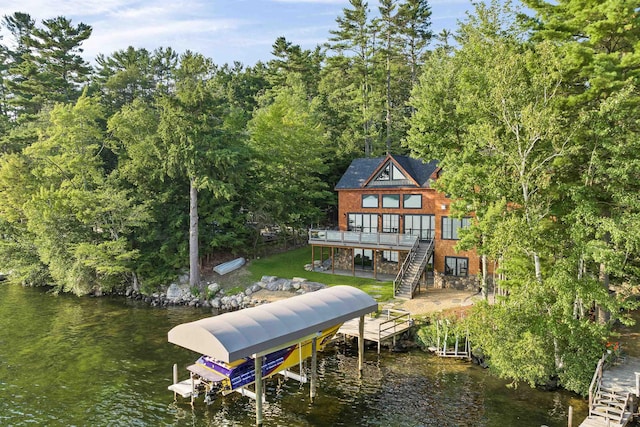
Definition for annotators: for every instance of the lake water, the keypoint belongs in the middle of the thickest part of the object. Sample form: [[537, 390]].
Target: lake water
[[68, 361]]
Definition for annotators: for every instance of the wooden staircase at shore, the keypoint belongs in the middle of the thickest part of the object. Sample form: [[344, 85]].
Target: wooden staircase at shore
[[609, 408], [610, 397], [410, 272]]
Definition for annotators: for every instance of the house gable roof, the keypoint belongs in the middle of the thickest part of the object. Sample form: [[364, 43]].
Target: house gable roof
[[362, 172]]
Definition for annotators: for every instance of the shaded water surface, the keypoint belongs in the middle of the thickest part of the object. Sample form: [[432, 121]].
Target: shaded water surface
[[106, 362]]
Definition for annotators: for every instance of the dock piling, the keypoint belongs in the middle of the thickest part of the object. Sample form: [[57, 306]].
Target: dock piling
[[314, 362], [570, 416], [258, 376], [361, 346]]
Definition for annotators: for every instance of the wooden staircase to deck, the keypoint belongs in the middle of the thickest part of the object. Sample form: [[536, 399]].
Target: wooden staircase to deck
[[407, 280]]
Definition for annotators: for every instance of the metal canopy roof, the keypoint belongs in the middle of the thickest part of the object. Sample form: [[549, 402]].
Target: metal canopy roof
[[235, 335]]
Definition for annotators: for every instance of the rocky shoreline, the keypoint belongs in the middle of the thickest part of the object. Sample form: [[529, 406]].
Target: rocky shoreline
[[179, 294]]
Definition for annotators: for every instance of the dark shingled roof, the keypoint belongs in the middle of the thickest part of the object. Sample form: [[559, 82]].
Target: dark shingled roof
[[360, 170]]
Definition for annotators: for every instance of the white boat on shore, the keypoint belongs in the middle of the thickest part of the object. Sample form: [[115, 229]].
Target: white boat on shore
[[229, 266]]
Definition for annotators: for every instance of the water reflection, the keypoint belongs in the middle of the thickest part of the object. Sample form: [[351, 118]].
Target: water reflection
[[69, 361]]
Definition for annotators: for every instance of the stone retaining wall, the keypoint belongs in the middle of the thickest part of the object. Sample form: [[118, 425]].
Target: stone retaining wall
[[461, 283]]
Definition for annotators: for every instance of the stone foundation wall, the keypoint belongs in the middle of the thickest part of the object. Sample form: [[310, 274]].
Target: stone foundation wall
[[343, 259], [386, 267], [467, 283]]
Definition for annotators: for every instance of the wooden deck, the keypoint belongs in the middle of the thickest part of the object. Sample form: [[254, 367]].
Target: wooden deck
[[622, 377], [611, 393], [386, 326], [356, 239]]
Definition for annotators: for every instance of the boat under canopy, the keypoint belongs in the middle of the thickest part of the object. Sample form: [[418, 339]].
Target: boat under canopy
[[268, 327], [269, 337]]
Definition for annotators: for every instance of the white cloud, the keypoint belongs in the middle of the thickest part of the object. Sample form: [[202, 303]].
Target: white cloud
[[450, 2], [312, 1], [40, 9], [224, 30], [180, 35]]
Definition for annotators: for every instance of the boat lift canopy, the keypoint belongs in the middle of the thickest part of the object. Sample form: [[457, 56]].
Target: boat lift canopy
[[258, 330]]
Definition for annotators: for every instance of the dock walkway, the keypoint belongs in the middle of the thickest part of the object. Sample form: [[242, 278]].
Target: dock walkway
[[386, 326], [612, 393]]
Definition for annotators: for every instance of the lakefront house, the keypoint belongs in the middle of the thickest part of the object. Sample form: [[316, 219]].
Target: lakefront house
[[393, 223]]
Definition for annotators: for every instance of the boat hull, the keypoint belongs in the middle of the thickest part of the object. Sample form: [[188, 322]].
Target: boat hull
[[226, 377], [230, 266]]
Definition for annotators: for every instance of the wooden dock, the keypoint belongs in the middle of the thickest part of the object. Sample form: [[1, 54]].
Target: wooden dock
[[386, 326], [614, 388]]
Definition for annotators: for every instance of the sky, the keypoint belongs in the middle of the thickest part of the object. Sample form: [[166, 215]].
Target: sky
[[223, 30]]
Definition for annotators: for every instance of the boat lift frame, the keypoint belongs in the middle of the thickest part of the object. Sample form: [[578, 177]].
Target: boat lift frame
[[257, 331]]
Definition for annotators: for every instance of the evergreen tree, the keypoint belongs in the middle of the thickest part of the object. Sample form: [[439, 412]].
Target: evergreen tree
[[288, 141], [415, 31], [599, 40], [348, 80], [47, 66], [60, 199], [21, 70], [494, 112], [292, 58], [124, 76], [191, 134], [57, 49]]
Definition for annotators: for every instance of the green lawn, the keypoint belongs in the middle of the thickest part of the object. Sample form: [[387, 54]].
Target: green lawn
[[291, 264]]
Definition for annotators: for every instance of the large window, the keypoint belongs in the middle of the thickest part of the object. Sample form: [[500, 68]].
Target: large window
[[369, 200], [364, 223], [390, 172], [390, 256], [423, 226], [390, 200], [412, 201], [390, 223], [363, 258], [456, 266], [450, 227]]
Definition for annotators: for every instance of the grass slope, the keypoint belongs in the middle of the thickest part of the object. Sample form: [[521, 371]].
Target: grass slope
[[291, 264]]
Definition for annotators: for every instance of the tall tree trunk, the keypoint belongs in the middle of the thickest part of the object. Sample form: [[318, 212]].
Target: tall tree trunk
[[603, 314], [194, 266], [538, 268], [578, 307], [485, 291], [135, 283]]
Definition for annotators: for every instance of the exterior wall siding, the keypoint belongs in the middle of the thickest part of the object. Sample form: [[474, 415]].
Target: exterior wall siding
[[433, 203]]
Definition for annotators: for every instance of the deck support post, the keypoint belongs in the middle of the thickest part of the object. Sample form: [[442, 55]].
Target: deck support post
[[375, 264], [333, 260], [353, 261], [258, 376], [361, 345], [314, 362], [570, 416]]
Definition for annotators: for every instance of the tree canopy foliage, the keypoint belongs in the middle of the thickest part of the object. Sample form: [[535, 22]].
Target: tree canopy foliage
[[529, 135], [132, 170]]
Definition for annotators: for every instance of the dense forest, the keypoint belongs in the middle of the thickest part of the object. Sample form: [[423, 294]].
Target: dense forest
[[126, 172]]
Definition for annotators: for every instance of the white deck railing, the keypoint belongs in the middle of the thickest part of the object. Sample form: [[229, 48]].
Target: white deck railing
[[346, 238]]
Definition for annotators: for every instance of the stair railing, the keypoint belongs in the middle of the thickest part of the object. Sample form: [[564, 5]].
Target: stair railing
[[405, 266], [421, 265], [595, 381]]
